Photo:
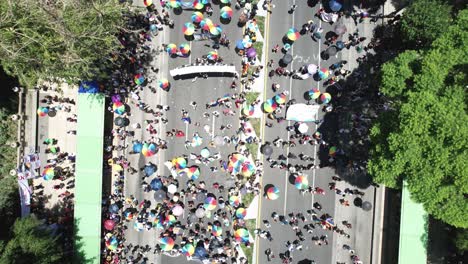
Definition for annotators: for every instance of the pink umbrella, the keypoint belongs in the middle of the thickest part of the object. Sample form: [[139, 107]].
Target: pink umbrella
[[109, 225], [177, 210]]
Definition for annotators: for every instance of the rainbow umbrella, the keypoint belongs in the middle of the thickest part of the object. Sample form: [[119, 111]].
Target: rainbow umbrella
[[188, 29], [215, 30], [325, 98], [193, 172], [163, 83], [248, 110], [139, 79], [174, 3], [241, 235], [148, 150], [248, 169], [280, 98], [184, 49], [269, 106], [323, 73], [167, 243], [197, 17], [234, 200], [206, 24], [332, 151], [216, 230], [159, 222], [225, 1], [273, 193], [210, 203], [171, 48], [226, 12], [212, 55], [48, 173], [118, 107], [198, 4], [241, 213], [138, 226], [170, 219], [188, 250], [301, 182], [179, 163], [313, 94], [293, 34], [42, 111], [147, 2], [112, 243], [128, 215]]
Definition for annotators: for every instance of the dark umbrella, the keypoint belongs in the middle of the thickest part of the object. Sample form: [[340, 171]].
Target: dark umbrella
[[335, 6], [159, 195], [267, 150], [52, 113], [114, 208], [331, 51], [366, 206], [200, 252], [287, 58], [358, 202], [340, 44], [292, 156], [156, 184], [121, 121], [150, 169]]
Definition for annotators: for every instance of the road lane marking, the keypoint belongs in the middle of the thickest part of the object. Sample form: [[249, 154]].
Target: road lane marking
[[213, 128]]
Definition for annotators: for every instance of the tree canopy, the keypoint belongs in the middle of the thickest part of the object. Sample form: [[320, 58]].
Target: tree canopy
[[424, 21], [31, 243], [58, 39], [424, 141]]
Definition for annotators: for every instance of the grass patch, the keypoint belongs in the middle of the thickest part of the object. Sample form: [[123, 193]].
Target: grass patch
[[253, 149], [248, 252], [261, 24], [247, 199], [259, 48], [255, 122], [250, 224], [251, 97]]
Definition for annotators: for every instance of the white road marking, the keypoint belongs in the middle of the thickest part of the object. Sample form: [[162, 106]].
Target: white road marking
[[213, 128]]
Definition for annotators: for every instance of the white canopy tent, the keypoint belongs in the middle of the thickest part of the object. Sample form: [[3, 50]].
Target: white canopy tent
[[302, 112], [203, 69]]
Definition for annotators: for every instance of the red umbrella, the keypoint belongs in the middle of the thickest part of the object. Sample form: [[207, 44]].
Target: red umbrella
[[109, 224]]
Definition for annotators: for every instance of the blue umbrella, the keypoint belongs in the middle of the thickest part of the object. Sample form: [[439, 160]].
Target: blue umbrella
[[156, 184], [340, 44], [239, 44], [114, 208], [335, 6], [150, 169], [201, 253], [137, 146]]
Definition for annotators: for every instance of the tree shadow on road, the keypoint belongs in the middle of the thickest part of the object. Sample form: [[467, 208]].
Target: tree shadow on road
[[357, 102]]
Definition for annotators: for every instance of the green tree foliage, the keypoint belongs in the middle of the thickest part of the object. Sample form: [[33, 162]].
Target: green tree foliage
[[66, 39], [425, 140], [424, 21], [31, 243], [461, 240]]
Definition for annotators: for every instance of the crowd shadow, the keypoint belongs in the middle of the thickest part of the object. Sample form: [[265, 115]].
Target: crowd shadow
[[356, 102]]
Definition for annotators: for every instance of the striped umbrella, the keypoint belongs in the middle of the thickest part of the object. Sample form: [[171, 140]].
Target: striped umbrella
[[179, 163], [42, 111], [301, 182], [325, 98], [193, 172], [225, 2], [175, 3], [188, 29], [241, 213], [210, 203], [248, 110], [226, 12], [206, 24], [118, 108], [323, 73], [241, 235], [188, 250], [273, 193], [215, 30], [269, 106], [313, 94], [163, 83], [197, 17], [48, 173], [212, 55], [293, 34], [167, 243], [332, 151], [112, 243], [216, 230], [171, 48], [280, 98], [147, 2], [198, 4], [234, 200], [148, 150]]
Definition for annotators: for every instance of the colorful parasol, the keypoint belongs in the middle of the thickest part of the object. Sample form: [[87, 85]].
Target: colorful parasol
[[226, 12], [163, 83], [112, 243], [179, 163], [197, 141], [193, 172], [42, 111], [293, 34], [269, 106], [313, 94], [248, 110], [118, 108], [170, 219], [147, 2], [188, 29], [212, 55], [159, 222], [280, 98], [225, 2], [210, 203], [241, 235], [188, 250], [234, 200], [197, 17], [215, 30], [216, 230], [139, 79], [48, 173], [206, 24], [247, 42], [301, 182], [184, 49], [128, 215], [248, 169], [325, 98], [175, 3], [198, 4], [323, 73], [332, 151], [148, 150], [167, 243], [272, 193], [171, 48], [241, 213]]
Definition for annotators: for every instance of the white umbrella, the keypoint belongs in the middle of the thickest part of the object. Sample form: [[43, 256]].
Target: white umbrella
[[302, 128], [200, 212], [177, 210], [197, 141], [172, 188], [205, 152], [312, 68]]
